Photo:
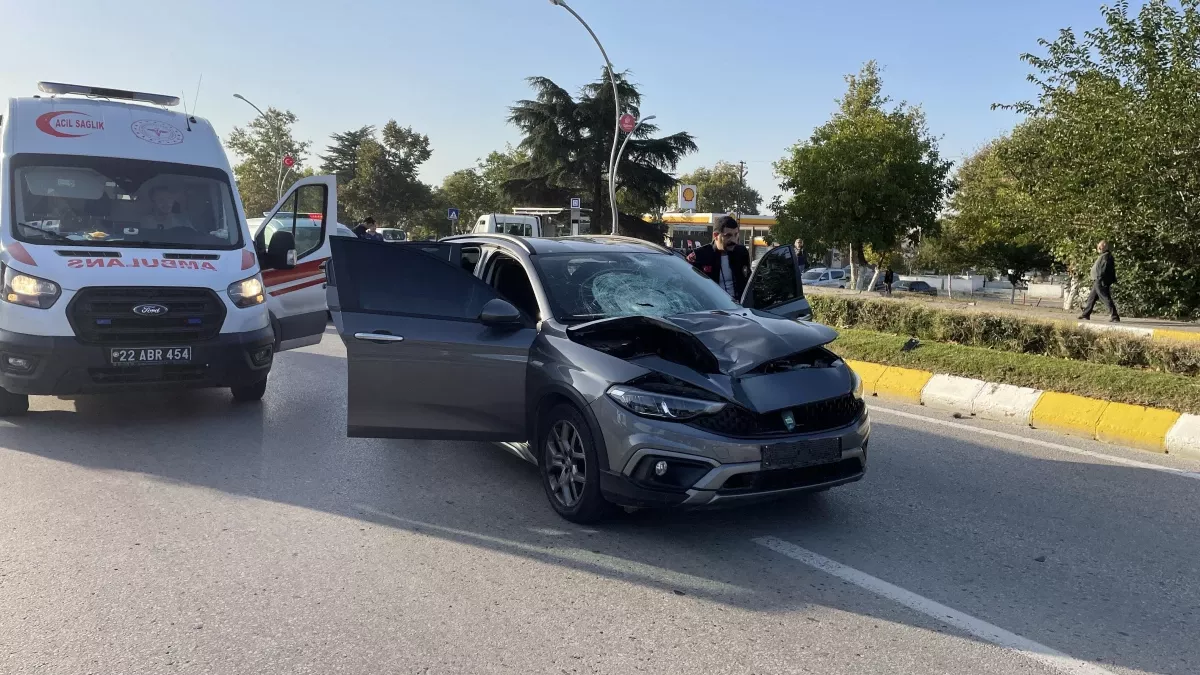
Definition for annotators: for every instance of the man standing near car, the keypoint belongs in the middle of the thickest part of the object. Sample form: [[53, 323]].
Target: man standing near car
[[1104, 275], [725, 261], [801, 256]]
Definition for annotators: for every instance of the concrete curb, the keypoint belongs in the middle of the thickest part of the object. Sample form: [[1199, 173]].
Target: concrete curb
[[1156, 334], [1151, 429]]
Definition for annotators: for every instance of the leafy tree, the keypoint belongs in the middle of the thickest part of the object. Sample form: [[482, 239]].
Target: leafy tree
[[568, 142], [991, 224], [385, 183], [341, 158], [260, 147], [868, 177], [1111, 150], [720, 189]]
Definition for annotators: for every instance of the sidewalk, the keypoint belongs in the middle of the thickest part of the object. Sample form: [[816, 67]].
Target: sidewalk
[[1049, 310]]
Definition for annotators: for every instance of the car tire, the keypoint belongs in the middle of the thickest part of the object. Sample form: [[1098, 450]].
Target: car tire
[[249, 393], [13, 405], [565, 440]]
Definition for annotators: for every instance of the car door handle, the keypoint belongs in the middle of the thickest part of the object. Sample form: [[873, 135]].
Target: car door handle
[[378, 337]]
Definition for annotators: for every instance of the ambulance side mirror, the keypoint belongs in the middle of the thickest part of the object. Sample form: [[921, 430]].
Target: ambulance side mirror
[[281, 252]]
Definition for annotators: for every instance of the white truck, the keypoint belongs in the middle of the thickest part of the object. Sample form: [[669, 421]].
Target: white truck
[[126, 259]]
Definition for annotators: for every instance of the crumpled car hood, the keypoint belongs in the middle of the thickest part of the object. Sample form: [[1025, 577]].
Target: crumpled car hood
[[737, 342], [731, 354]]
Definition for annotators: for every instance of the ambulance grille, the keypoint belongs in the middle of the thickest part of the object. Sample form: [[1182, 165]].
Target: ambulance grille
[[105, 316]]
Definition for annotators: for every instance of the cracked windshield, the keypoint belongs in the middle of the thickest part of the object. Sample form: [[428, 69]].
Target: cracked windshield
[[586, 337]]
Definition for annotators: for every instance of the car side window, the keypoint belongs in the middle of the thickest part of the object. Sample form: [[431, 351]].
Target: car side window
[[512, 283], [406, 280], [774, 280]]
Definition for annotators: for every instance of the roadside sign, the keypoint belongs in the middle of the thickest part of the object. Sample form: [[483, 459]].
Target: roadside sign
[[628, 123], [451, 214], [575, 202]]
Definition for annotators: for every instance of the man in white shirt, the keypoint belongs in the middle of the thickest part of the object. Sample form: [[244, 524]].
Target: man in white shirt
[[162, 210]]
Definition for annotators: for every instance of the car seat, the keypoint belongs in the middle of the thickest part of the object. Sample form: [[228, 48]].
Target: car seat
[[512, 283]]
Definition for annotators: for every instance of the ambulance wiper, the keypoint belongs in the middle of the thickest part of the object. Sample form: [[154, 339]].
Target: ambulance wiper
[[49, 233]]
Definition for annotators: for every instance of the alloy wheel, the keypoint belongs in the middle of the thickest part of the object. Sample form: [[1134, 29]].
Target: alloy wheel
[[566, 468]]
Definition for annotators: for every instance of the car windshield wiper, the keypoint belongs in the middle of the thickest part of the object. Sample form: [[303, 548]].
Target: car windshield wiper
[[56, 236]]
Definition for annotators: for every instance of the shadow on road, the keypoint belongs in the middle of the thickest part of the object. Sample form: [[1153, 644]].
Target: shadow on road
[[292, 449]]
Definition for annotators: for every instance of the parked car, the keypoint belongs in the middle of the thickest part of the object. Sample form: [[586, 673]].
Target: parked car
[[920, 287], [625, 375], [392, 234], [823, 277]]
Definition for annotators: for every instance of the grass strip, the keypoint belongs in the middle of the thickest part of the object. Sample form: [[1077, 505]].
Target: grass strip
[[1106, 382]]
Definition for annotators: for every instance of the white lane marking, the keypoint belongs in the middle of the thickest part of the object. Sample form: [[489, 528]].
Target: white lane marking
[[964, 622], [1034, 441]]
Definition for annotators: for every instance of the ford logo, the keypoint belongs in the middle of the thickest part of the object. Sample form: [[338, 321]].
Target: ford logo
[[149, 310]]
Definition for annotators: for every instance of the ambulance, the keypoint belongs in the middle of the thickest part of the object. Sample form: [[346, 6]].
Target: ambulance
[[126, 258]]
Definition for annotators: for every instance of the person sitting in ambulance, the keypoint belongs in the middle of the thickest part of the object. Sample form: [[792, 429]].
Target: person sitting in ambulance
[[162, 211]]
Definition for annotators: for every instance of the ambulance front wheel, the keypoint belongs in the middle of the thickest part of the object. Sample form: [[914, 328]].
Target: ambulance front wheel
[[250, 392], [13, 405]]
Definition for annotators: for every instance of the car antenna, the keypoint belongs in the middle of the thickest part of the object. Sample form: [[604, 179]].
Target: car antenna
[[183, 95], [195, 100]]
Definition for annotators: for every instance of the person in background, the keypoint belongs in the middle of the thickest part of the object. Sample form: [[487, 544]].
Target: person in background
[[725, 261], [162, 213], [1104, 275], [801, 256], [888, 278], [366, 230]]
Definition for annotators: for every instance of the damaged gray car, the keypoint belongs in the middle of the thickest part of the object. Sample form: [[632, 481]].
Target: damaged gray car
[[625, 375]]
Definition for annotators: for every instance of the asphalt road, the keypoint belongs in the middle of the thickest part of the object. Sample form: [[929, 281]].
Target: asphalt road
[[152, 534]]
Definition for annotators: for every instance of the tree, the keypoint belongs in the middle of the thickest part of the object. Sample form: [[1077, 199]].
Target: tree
[[568, 141], [867, 178], [385, 183], [991, 224], [260, 147], [721, 189], [341, 158], [1111, 150]]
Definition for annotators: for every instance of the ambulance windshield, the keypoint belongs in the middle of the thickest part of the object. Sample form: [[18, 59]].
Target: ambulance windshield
[[104, 201]]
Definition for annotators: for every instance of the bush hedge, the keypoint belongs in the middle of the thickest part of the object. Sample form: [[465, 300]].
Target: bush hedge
[[1005, 332]]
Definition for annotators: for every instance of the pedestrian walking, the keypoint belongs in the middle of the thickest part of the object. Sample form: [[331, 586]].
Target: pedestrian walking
[[725, 261], [888, 278], [1104, 275], [801, 256]]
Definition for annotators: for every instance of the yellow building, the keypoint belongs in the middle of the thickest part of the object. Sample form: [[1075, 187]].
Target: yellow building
[[689, 230]]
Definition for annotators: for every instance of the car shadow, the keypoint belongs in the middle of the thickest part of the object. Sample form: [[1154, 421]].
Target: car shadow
[[292, 449]]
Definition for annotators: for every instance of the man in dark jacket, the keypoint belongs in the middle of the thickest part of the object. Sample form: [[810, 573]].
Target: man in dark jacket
[[801, 256], [1104, 275], [725, 261]]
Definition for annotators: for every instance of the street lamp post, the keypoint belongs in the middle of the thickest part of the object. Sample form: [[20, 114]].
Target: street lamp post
[[621, 152], [279, 179], [612, 158]]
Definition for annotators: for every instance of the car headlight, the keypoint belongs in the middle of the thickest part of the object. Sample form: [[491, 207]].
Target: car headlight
[[247, 292], [662, 406], [856, 384], [27, 290]]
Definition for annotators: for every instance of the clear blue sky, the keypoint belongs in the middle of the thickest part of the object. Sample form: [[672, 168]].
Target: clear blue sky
[[747, 77]]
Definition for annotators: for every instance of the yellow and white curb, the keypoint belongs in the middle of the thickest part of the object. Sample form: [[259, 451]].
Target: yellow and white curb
[[1156, 334], [1152, 429]]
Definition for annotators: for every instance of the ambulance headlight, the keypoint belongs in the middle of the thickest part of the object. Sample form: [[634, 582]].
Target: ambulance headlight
[[23, 289], [247, 292]]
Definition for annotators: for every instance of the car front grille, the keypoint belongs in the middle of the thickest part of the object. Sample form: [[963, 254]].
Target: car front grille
[[831, 413], [105, 316], [148, 374], [786, 479]]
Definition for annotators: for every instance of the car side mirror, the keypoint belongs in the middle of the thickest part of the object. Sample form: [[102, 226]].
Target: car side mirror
[[499, 313], [281, 252]]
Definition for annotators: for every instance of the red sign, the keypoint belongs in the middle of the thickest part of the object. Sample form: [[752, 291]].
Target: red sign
[[68, 124], [289, 161], [628, 123]]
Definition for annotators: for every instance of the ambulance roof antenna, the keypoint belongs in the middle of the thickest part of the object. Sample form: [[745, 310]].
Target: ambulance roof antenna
[[196, 99], [185, 112]]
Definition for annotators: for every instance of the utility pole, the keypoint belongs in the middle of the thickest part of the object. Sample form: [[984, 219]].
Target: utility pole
[[741, 205]]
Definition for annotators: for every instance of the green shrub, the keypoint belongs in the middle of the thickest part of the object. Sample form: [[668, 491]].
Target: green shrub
[[1005, 332]]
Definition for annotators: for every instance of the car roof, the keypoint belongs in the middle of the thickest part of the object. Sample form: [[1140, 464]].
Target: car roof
[[577, 244]]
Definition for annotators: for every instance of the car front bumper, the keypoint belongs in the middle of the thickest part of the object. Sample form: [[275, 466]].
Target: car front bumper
[[734, 471], [63, 366]]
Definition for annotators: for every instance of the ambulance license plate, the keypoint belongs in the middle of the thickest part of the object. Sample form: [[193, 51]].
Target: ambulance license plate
[[149, 356]]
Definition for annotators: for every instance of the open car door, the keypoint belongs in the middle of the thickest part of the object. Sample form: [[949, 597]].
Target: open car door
[[776, 286], [432, 352], [295, 295]]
